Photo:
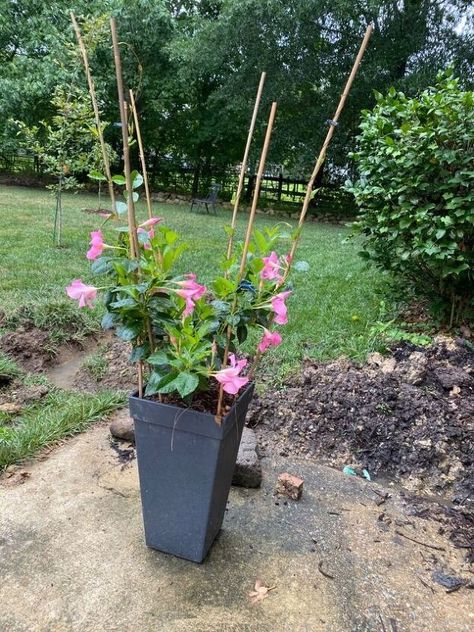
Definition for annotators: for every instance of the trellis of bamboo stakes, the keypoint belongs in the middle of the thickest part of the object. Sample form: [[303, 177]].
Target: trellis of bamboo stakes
[[243, 167], [132, 226], [133, 108], [248, 235], [95, 107], [319, 162]]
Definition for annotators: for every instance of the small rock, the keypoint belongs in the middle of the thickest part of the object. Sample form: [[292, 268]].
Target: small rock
[[414, 368], [289, 485], [122, 428], [10, 408], [248, 470]]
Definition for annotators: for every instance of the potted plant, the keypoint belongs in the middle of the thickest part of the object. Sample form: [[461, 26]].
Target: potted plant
[[195, 384]]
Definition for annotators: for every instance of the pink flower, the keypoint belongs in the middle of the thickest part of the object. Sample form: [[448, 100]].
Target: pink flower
[[191, 292], [97, 245], [279, 307], [229, 377], [271, 268], [269, 340], [81, 292], [151, 222]]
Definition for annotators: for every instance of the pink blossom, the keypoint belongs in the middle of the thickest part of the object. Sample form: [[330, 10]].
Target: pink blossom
[[191, 292], [97, 245], [151, 222], [81, 292], [229, 377], [269, 340], [271, 268], [279, 307]]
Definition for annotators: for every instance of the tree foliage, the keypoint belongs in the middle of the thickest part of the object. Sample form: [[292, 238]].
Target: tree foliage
[[415, 190], [195, 66]]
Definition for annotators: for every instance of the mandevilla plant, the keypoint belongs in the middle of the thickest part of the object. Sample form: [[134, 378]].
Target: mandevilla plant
[[177, 326]]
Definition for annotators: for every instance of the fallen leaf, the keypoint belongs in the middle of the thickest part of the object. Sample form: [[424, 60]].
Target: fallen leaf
[[260, 591]]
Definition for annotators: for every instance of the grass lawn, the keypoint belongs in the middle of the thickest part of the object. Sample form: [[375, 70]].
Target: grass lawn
[[331, 313], [333, 310]]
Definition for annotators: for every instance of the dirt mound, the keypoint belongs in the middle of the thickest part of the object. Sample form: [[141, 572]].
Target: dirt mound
[[409, 416], [29, 346], [117, 373]]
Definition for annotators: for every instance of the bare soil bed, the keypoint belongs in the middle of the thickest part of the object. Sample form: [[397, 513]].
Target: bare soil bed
[[408, 417]]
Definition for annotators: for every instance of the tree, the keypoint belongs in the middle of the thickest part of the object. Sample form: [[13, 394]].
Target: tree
[[67, 146]]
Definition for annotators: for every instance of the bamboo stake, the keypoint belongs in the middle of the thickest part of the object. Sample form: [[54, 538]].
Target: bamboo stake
[[133, 107], [319, 163], [243, 167], [329, 135], [258, 182], [90, 82], [243, 261], [132, 227]]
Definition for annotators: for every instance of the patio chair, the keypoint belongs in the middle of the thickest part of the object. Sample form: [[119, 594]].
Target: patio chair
[[209, 201]]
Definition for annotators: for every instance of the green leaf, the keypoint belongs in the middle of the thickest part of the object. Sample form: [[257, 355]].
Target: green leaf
[[108, 320], [96, 175], [119, 180], [102, 265], [128, 333], [186, 383], [159, 358], [121, 207], [137, 179]]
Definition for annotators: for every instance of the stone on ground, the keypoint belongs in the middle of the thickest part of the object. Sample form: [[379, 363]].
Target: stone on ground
[[248, 470], [122, 427]]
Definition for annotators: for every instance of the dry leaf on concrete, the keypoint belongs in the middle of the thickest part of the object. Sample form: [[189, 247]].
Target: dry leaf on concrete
[[260, 592]]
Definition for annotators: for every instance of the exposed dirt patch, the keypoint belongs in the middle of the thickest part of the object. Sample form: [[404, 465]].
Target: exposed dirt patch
[[17, 395], [409, 416], [117, 372], [29, 346]]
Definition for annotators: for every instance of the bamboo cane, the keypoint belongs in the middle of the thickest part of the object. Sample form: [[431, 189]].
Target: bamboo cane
[[243, 261], [243, 167], [132, 227], [90, 82], [327, 140], [133, 107], [319, 163]]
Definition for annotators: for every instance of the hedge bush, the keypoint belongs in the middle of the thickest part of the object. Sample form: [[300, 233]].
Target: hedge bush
[[415, 193]]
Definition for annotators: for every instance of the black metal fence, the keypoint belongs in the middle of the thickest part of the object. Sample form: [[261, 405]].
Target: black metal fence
[[277, 190]]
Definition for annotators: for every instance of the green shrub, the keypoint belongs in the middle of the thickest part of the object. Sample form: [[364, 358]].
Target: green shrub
[[415, 192]]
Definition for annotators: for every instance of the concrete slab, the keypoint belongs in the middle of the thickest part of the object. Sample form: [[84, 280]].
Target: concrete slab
[[72, 556]]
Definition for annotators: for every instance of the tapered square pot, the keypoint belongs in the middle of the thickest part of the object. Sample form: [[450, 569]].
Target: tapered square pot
[[185, 462]]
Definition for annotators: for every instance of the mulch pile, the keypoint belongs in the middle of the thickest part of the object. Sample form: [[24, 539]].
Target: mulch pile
[[408, 417]]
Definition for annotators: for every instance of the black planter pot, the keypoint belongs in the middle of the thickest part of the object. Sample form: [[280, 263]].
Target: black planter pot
[[185, 462]]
